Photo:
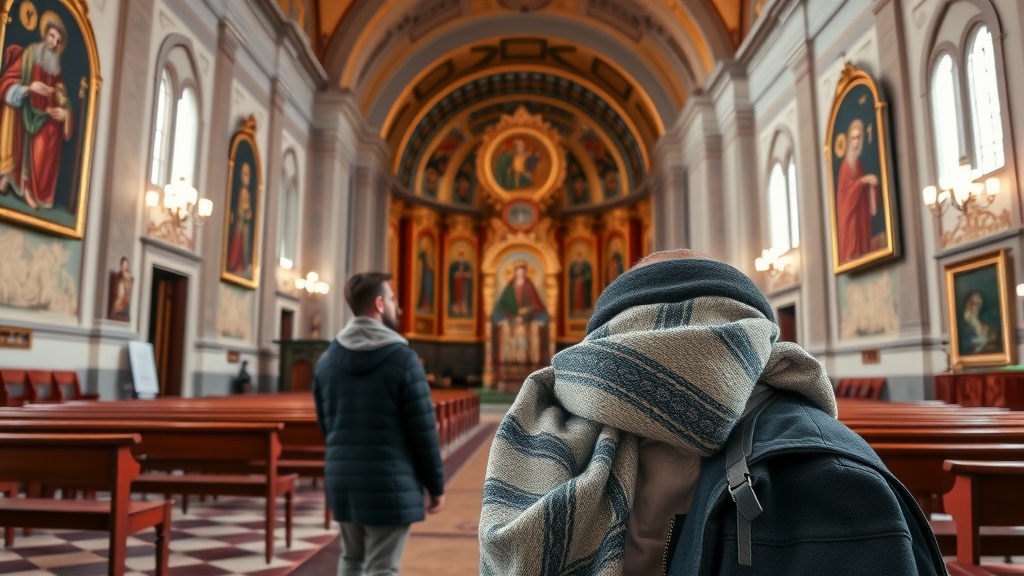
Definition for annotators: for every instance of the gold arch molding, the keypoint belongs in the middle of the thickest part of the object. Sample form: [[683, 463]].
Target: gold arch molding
[[605, 78]]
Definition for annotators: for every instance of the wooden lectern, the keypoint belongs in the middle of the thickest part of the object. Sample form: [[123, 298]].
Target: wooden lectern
[[296, 363]]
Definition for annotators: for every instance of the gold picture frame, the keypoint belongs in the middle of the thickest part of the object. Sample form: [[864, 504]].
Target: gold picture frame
[[861, 196], [240, 250], [981, 325], [30, 193]]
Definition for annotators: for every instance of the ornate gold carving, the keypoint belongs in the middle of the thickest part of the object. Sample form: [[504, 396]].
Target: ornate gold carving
[[424, 217], [975, 224], [617, 219], [461, 225], [580, 226]]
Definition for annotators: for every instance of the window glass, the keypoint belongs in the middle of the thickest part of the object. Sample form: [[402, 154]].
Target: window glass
[[161, 132], [985, 113], [778, 210], [186, 133], [794, 221], [946, 119]]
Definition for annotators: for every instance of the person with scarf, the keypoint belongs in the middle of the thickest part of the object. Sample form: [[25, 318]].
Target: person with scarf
[[611, 460]]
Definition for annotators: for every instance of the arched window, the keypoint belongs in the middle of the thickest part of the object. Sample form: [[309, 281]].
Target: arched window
[[780, 228], [946, 118], [984, 90], [175, 136], [162, 129], [794, 217], [186, 136], [288, 215]]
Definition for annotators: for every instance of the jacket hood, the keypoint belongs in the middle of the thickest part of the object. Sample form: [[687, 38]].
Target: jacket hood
[[363, 334]]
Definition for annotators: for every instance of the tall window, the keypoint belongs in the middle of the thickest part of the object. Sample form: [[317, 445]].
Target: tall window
[[985, 113], [175, 139], [966, 113], [948, 139], [288, 215], [783, 224]]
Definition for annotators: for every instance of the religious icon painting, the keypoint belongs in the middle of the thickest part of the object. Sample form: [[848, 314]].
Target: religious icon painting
[[981, 325], [49, 80], [520, 214], [460, 287], [242, 216], [864, 221], [615, 257], [581, 285], [520, 317], [425, 274]]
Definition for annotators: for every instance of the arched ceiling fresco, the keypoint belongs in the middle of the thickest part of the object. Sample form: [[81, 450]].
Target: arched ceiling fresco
[[621, 68]]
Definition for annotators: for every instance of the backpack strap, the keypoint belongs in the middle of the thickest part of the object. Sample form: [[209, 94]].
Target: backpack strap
[[737, 448]]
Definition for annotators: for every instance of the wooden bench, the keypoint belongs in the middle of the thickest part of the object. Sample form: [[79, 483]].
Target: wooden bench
[[197, 458], [865, 388], [984, 494], [90, 462]]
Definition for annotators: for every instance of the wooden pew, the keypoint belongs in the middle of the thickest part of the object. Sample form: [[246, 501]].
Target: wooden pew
[[217, 458], [984, 494], [91, 462]]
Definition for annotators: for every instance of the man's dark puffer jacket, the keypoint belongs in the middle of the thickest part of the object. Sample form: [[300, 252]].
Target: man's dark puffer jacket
[[377, 417]]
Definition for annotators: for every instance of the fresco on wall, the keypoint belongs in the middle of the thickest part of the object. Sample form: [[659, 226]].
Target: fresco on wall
[[868, 304], [520, 316], [49, 79], [235, 316], [608, 173], [436, 166], [465, 185], [39, 272], [577, 189]]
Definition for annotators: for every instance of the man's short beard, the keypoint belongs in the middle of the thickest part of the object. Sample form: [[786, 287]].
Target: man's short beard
[[389, 322], [48, 60]]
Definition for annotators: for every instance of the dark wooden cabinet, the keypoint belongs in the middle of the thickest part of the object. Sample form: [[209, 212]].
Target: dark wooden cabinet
[[298, 357], [1001, 389]]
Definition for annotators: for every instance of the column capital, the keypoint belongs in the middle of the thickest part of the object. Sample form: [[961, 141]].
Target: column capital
[[280, 94], [228, 38], [799, 60]]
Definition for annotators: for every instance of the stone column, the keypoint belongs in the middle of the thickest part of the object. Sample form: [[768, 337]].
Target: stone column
[[268, 351], [669, 192], [815, 242], [327, 233], [124, 195], [371, 195], [702, 159], [913, 270], [212, 233], [741, 189]]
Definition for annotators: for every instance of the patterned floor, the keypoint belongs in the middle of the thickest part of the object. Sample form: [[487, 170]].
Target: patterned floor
[[216, 538]]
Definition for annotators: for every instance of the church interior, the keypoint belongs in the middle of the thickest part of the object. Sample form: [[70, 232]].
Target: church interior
[[186, 185]]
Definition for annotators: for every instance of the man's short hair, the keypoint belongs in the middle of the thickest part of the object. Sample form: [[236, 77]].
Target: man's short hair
[[363, 288]]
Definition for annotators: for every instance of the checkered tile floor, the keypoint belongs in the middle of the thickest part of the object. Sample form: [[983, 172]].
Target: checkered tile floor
[[216, 538]]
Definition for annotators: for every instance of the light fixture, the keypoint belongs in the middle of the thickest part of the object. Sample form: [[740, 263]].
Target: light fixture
[[286, 263], [312, 284], [772, 261], [1020, 290], [963, 193], [181, 200]]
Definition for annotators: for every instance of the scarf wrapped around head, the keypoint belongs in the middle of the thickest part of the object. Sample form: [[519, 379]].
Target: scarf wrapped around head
[[672, 353]]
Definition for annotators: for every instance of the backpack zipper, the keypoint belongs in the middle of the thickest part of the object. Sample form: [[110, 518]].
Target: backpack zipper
[[668, 541]]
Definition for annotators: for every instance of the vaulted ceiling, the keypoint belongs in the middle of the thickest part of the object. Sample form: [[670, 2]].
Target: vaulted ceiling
[[629, 64]]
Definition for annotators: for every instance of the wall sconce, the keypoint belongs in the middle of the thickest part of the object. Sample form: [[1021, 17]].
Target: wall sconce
[[772, 262], [1020, 290], [312, 284], [963, 192], [181, 200]]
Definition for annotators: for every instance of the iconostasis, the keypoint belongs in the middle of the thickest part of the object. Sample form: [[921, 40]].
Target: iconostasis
[[514, 226]]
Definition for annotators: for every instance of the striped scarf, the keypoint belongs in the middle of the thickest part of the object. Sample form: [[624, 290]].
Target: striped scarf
[[674, 350]]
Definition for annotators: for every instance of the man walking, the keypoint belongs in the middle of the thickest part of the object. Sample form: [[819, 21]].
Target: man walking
[[373, 406]]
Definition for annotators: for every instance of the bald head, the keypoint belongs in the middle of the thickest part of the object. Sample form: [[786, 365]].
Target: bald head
[[677, 254]]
